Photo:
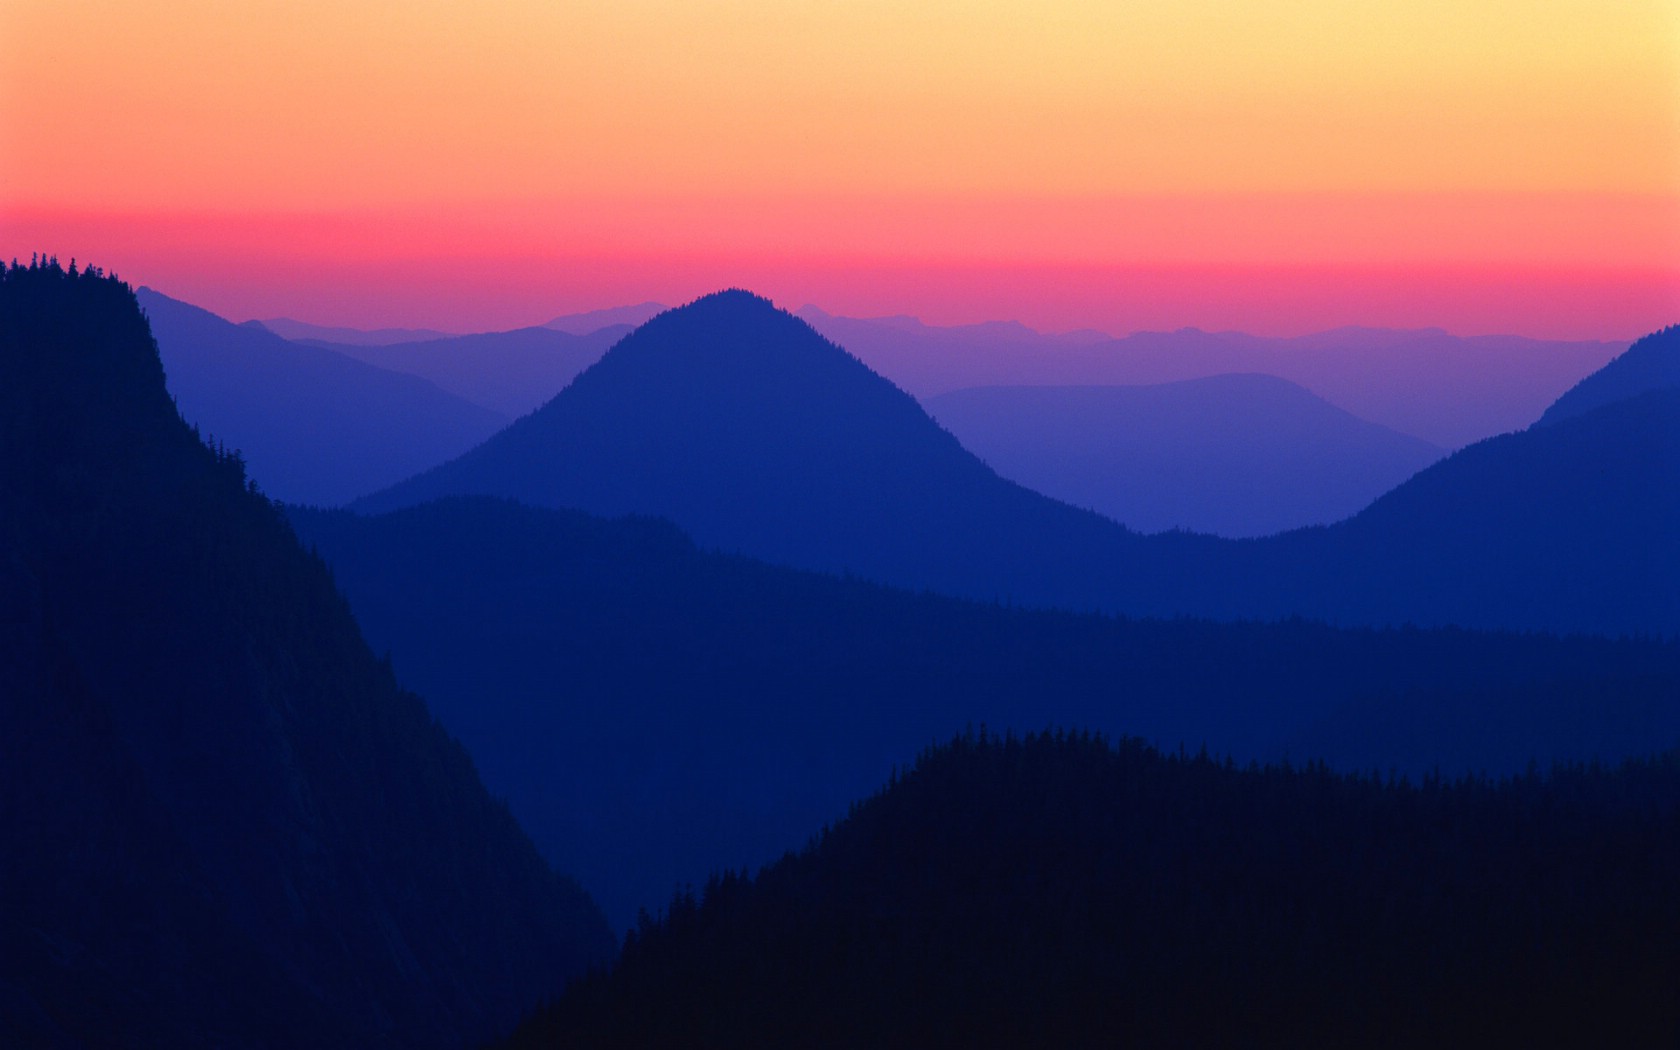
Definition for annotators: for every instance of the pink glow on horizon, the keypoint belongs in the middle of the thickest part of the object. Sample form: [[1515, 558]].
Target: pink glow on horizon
[[412, 272], [457, 295]]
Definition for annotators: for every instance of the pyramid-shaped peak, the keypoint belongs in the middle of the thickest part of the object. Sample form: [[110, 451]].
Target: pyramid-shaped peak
[[729, 303], [734, 333], [731, 297]]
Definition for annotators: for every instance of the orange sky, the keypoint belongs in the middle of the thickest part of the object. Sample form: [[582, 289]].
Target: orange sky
[[1277, 166]]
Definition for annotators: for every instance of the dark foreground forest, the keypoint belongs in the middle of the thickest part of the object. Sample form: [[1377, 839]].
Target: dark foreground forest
[[222, 824], [1059, 890]]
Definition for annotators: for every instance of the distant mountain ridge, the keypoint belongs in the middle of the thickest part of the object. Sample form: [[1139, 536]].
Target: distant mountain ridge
[[510, 373], [1448, 390], [314, 426], [224, 824], [1234, 455], [1002, 331], [609, 317], [302, 331]]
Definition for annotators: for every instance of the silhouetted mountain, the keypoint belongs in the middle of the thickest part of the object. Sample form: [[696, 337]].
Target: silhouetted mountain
[[1446, 389], [223, 823], [303, 332], [313, 425], [612, 317], [654, 713], [1651, 363], [1059, 892], [753, 433], [510, 373], [1235, 455]]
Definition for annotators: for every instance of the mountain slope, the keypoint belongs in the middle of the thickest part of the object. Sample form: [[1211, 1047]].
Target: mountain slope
[[223, 823], [653, 712], [1234, 455], [1651, 363], [1564, 527], [1057, 891], [510, 373], [313, 425], [738, 422]]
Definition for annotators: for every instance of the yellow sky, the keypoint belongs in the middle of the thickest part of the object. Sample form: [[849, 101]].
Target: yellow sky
[[656, 124], [311, 103]]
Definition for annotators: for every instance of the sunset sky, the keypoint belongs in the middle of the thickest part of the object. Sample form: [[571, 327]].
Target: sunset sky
[[1483, 165]]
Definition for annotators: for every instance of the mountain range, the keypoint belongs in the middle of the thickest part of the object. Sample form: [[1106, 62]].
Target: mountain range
[[1230, 455], [226, 824], [1448, 390], [509, 373], [756, 435], [1181, 462]]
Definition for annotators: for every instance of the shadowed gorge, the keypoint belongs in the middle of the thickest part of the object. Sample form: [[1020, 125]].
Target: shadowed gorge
[[223, 822]]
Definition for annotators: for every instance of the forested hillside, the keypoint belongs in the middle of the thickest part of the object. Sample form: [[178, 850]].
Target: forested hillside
[[1060, 891], [222, 824]]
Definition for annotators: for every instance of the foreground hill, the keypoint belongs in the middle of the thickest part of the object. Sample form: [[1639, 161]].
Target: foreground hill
[[314, 426], [1233, 455], [223, 823], [1056, 891], [653, 712]]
